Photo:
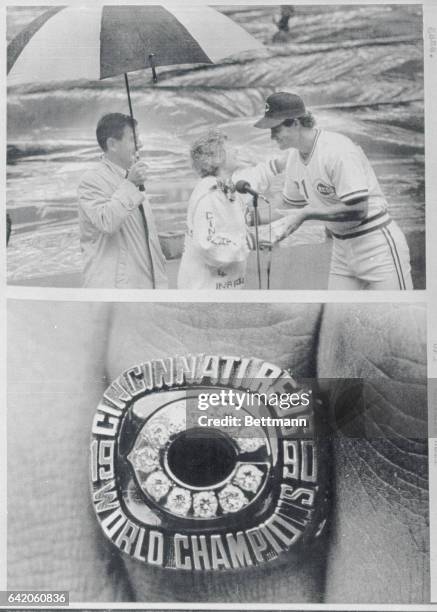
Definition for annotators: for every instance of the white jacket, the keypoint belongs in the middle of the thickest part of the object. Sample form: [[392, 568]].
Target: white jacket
[[217, 240], [117, 252]]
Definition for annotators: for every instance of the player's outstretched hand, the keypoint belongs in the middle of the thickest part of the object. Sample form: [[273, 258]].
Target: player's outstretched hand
[[291, 222]]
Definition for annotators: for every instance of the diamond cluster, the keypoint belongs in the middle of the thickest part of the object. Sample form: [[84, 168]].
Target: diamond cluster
[[147, 458]]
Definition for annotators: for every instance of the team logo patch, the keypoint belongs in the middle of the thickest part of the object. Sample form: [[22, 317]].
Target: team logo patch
[[206, 462], [324, 189]]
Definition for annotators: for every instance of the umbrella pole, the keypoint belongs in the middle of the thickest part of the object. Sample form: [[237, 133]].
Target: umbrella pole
[[131, 113], [140, 187]]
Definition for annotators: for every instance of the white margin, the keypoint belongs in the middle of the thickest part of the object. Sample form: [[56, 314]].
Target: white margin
[[430, 75], [429, 296], [3, 360]]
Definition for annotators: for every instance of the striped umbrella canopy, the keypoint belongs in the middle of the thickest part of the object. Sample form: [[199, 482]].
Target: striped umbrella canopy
[[73, 43]]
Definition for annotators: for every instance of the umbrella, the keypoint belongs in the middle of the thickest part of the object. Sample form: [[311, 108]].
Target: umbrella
[[73, 43]]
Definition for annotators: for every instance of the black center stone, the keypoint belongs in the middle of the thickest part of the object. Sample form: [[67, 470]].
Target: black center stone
[[201, 457]]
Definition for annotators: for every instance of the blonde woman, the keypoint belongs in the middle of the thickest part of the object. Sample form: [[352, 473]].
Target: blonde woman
[[218, 241]]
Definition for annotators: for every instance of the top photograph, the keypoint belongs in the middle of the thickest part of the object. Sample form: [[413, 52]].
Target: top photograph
[[216, 148]]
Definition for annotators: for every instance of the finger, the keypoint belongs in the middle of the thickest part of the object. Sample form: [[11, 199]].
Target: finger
[[284, 335], [380, 535], [55, 367], [136, 168]]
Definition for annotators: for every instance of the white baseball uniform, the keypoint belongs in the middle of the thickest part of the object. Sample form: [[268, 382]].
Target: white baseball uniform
[[368, 253]]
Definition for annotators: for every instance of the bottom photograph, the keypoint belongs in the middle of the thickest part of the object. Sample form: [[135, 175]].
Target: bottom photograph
[[218, 453]]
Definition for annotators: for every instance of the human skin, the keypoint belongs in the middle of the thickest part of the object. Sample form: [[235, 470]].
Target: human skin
[[61, 357], [380, 514]]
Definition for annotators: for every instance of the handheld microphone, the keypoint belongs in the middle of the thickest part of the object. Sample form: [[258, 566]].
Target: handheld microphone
[[244, 187]]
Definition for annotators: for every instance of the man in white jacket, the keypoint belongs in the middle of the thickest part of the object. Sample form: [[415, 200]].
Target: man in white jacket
[[218, 239], [119, 241]]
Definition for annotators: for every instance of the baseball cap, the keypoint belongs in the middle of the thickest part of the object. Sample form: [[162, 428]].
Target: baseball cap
[[279, 107]]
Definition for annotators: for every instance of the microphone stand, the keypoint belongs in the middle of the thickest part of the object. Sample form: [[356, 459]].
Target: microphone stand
[[258, 263], [269, 258]]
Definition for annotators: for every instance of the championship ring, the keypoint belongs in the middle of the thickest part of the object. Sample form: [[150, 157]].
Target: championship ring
[[206, 462]]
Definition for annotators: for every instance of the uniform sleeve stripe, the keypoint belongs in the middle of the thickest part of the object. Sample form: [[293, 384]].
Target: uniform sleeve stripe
[[273, 167], [288, 200], [354, 194]]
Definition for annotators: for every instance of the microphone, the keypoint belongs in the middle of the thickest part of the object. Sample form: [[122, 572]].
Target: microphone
[[244, 187]]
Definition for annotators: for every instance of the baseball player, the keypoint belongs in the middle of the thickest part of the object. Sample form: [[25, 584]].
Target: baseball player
[[328, 177]]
